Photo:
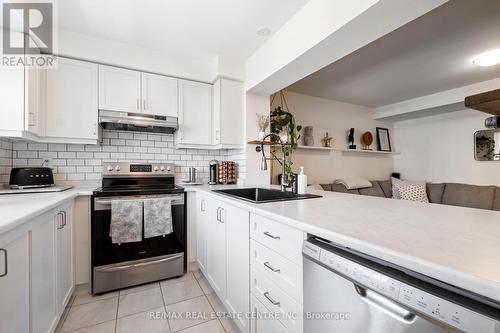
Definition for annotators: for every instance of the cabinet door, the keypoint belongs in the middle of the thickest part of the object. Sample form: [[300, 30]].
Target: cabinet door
[[159, 95], [216, 114], [43, 275], [72, 100], [201, 231], [14, 285], [238, 263], [195, 113], [119, 89], [12, 94], [228, 113], [64, 255], [216, 248]]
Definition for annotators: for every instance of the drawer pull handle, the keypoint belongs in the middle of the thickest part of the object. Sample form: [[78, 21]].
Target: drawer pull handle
[[59, 227], [268, 265], [268, 234], [273, 302], [5, 263]]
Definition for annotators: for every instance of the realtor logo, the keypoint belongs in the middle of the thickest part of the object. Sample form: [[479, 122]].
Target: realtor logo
[[27, 34], [35, 20]]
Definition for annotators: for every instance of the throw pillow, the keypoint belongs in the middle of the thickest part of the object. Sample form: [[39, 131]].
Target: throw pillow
[[409, 190], [353, 183]]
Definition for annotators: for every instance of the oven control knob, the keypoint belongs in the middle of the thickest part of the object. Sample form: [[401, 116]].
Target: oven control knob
[[155, 168], [162, 168], [110, 168], [117, 168], [169, 169]]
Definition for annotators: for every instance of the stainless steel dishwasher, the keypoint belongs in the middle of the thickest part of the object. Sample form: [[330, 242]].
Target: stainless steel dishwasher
[[345, 291]]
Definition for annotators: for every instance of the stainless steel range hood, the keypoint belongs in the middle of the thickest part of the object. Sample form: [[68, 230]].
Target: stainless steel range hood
[[138, 122]]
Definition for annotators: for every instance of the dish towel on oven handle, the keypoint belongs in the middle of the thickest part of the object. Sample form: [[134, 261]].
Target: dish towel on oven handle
[[157, 217], [126, 221]]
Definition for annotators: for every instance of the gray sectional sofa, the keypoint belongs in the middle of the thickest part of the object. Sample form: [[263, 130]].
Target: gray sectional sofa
[[473, 196]]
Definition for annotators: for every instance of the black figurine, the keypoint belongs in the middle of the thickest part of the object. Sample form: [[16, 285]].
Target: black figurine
[[350, 139]]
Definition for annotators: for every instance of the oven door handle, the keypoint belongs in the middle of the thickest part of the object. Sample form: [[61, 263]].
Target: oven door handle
[[126, 267], [176, 200]]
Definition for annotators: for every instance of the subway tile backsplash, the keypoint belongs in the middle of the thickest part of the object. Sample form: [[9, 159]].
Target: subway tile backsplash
[[5, 160], [82, 164]]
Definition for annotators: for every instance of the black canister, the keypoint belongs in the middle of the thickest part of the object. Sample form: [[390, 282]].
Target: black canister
[[212, 173]]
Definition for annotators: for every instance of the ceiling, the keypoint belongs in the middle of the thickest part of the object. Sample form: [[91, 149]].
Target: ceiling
[[197, 29], [431, 54]]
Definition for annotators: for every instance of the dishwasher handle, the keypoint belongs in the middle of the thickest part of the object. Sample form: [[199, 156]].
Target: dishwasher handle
[[385, 304]]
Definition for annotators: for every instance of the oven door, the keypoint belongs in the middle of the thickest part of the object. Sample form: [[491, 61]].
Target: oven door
[[117, 266]]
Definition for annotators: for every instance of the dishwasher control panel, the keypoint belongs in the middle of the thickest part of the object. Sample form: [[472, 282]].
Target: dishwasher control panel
[[413, 298]]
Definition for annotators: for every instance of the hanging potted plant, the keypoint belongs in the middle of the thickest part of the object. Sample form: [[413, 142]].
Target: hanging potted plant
[[283, 124]]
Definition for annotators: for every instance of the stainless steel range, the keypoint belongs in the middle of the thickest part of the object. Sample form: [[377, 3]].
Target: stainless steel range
[[119, 265]]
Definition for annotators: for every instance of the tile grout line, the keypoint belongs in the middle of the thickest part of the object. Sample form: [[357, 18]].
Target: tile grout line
[[165, 307], [211, 305], [117, 308]]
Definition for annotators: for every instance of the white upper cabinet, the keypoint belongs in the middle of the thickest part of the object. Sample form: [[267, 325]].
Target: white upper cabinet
[[72, 101], [119, 89], [228, 114], [159, 95], [132, 91], [195, 114], [22, 92]]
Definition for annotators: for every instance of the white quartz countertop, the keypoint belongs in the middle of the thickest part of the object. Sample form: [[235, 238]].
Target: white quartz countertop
[[459, 246], [16, 209]]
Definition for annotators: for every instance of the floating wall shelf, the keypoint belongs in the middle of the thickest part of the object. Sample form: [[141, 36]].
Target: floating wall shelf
[[369, 151], [315, 148]]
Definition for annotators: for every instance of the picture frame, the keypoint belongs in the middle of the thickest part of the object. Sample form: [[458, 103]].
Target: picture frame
[[383, 139]]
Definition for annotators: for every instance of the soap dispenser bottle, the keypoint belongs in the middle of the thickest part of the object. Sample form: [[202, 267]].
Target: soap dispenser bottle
[[301, 182]]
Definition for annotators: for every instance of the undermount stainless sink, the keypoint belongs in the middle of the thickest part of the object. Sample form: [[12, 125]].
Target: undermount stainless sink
[[262, 195]]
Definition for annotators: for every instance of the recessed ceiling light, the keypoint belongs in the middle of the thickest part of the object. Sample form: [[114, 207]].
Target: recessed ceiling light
[[490, 58], [263, 32]]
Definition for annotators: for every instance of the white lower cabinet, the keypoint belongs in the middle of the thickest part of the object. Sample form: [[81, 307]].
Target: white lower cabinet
[[36, 272], [201, 231], [64, 254], [216, 248], [14, 284], [254, 265], [237, 264], [264, 321], [223, 233], [276, 274], [43, 275]]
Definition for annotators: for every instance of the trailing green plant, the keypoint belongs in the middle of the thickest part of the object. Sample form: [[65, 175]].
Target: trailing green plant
[[284, 121]]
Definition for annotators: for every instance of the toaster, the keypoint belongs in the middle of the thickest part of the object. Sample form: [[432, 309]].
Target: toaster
[[31, 177]]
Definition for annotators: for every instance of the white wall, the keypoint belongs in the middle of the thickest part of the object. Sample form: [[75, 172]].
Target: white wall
[[86, 47], [254, 104], [336, 118], [441, 149]]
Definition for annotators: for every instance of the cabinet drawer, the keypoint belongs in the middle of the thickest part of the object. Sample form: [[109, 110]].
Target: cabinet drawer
[[281, 271], [263, 321], [277, 302], [284, 240]]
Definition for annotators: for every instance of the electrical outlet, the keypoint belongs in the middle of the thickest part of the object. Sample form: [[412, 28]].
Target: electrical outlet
[[47, 162]]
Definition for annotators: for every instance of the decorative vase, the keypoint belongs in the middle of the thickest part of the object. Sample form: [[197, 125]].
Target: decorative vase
[[308, 136], [262, 135]]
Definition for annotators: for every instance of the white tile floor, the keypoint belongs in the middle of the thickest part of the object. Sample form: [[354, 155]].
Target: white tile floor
[[185, 305]]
